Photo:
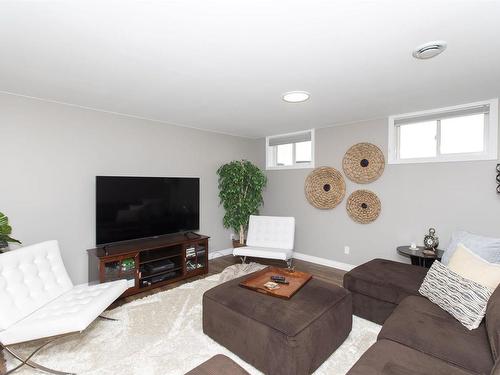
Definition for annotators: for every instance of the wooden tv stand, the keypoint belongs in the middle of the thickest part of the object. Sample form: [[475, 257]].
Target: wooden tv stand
[[150, 263]]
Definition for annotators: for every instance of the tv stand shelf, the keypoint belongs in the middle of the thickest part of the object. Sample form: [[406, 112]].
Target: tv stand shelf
[[147, 276], [147, 260], [150, 263]]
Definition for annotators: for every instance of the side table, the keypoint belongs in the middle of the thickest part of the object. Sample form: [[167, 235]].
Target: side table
[[417, 256]]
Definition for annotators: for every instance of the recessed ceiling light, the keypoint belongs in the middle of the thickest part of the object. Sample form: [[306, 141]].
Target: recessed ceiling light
[[295, 96], [429, 50]]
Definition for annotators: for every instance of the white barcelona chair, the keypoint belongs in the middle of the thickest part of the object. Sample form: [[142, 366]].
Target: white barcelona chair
[[39, 301], [269, 237]]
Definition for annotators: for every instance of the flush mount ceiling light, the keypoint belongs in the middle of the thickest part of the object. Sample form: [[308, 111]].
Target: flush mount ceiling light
[[295, 96], [429, 50]]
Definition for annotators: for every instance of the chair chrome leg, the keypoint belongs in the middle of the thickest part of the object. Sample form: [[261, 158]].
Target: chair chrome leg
[[289, 264], [106, 318], [28, 362], [243, 259]]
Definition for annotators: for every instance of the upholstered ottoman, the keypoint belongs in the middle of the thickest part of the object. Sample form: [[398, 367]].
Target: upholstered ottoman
[[279, 337], [218, 365]]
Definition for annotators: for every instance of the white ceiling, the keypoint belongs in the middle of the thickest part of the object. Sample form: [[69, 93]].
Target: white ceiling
[[222, 65]]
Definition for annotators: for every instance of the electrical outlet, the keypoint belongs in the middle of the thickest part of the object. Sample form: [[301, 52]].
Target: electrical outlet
[[347, 250]]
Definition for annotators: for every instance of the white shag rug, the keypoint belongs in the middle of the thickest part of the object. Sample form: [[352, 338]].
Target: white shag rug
[[162, 335]]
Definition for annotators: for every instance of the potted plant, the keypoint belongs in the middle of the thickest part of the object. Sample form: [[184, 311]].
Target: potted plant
[[5, 231], [240, 192]]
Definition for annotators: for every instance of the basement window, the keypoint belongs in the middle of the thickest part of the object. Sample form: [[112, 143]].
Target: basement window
[[461, 133], [290, 151]]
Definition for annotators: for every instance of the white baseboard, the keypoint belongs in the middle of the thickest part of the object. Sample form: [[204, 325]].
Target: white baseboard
[[301, 256], [219, 253], [323, 261]]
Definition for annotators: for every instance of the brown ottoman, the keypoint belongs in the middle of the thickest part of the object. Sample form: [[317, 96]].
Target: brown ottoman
[[218, 365], [279, 337], [379, 285]]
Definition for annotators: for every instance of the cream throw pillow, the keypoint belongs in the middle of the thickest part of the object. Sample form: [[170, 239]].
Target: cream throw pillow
[[473, 267]]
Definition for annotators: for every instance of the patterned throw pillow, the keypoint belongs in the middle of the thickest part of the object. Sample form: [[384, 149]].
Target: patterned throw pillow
[[464, 299]]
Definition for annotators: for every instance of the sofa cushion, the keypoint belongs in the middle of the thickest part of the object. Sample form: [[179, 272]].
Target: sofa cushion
[[390, 358], [370, 308], [465, 299], [487, 248], [385, 280], [473, 267], [493, 322], [422, 325]]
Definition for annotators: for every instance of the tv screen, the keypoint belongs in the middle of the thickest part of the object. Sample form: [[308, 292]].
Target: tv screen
[[130, 208]]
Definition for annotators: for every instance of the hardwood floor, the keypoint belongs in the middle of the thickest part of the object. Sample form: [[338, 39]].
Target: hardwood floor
[[328, 274]]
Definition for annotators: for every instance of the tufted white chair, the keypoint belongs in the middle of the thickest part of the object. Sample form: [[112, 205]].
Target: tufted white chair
[[269, 237], [38, 299]]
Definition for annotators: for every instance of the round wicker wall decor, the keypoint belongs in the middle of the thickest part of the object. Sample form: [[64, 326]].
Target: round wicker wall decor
[[324, 187], [363, 206], [363, 163]]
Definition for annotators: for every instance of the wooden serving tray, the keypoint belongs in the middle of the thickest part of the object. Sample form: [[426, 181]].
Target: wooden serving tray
[[296, 279]]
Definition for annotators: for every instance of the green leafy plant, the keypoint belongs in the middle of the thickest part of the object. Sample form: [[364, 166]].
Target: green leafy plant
[[5, 231], [240, 192]]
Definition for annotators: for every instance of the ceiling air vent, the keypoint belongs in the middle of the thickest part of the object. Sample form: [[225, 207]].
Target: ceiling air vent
[[429, 50]]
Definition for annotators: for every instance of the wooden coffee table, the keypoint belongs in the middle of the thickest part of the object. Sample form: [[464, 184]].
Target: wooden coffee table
[[296, 281]]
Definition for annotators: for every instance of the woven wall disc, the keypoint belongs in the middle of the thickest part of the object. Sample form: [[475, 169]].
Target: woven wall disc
[[325, 187], [363, 206], [363, 163]]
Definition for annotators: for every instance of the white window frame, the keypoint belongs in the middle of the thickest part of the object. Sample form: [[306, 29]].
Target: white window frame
[[490, 151], [272, 150]]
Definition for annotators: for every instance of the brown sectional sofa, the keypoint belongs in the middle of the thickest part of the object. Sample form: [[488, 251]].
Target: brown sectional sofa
[[418, 337], [379, 286]]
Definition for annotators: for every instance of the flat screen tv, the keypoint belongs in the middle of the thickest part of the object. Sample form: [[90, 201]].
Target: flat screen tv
[[129, 208]]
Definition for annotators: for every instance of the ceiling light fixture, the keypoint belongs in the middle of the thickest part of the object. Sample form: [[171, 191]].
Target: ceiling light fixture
[[429, 50], [295, 96]]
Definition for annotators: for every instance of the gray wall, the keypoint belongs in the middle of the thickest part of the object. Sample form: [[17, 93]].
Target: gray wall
[[447, 196], [51, 153]]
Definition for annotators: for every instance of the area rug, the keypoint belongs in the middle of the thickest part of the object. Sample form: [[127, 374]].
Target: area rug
[[162, 335]]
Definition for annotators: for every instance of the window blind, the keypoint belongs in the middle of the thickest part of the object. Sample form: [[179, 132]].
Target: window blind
[[291, 138], [482, 109]]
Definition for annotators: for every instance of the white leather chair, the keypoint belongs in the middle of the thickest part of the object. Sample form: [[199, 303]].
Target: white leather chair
[[269, 237], [38, 299]]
